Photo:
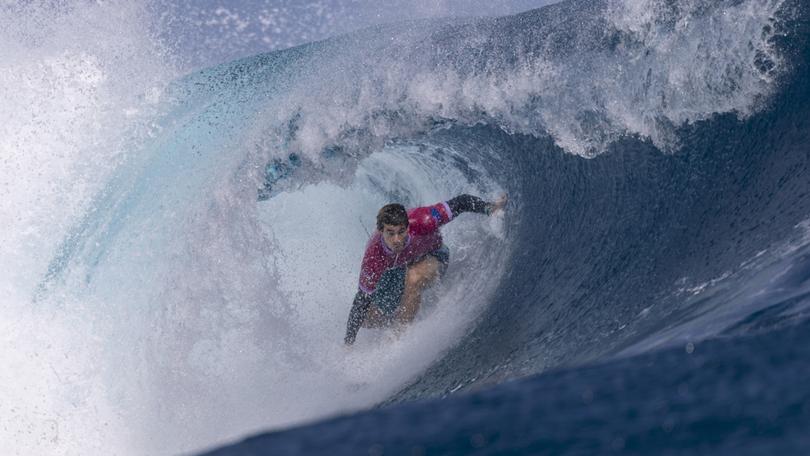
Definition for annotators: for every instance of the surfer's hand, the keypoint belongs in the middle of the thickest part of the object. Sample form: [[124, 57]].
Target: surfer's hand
[[499, 204]]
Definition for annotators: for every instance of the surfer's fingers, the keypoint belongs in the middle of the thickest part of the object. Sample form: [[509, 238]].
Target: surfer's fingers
[[499, 203]]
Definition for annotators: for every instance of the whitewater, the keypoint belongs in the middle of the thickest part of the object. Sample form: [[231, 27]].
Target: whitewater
[[655, 155]]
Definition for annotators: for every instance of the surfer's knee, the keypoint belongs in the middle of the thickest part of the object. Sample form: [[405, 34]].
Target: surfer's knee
[[414, 278], [422, 273]]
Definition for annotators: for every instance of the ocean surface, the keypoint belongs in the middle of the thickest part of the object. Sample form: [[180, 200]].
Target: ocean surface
[[181, 250]]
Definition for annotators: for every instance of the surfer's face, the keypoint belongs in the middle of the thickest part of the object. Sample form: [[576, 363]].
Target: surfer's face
[[395, 236]]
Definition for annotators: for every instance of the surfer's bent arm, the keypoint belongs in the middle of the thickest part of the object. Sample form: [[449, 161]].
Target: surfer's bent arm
[[360, 306], [469, 203]]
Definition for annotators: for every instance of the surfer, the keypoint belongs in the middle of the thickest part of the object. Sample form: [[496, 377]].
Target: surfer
[[403, 257]]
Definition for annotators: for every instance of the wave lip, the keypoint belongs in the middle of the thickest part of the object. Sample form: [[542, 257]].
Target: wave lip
[[585, 73]]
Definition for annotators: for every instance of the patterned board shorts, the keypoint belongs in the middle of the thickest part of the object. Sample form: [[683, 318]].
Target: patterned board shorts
[[388, 294]]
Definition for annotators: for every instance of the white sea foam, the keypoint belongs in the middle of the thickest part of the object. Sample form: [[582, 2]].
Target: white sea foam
[[78, 83]]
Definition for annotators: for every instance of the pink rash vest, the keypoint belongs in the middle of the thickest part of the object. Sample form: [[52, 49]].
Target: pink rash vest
[[423, 238]]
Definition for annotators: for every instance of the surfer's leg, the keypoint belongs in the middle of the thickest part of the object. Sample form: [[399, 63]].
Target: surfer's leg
[[374, 318], [420, 275]]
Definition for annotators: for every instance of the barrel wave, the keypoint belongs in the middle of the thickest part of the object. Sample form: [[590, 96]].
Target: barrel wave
[[655, 155]]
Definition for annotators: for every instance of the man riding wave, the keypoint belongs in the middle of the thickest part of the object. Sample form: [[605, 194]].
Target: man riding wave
[[403, 257]]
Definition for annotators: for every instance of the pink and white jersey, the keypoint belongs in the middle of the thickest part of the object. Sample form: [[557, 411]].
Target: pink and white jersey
[[423, 238]]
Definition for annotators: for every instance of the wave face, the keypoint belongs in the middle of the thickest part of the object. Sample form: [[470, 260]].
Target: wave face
[[654, 153]]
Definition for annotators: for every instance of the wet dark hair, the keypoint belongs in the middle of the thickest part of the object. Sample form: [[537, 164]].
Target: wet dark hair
[[392, 214]]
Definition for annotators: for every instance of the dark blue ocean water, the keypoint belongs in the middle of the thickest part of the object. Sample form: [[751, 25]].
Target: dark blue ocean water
[[656, 299], [732, 395]]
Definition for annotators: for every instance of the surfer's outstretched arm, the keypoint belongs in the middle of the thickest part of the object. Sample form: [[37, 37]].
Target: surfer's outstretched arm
[[469, 203], [360, 306]]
